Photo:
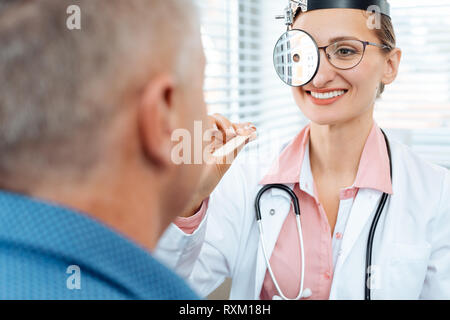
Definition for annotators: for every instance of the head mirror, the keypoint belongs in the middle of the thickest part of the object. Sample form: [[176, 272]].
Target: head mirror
[[296, 58]]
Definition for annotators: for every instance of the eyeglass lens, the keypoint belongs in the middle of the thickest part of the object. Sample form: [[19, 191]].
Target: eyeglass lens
[[345, 54]]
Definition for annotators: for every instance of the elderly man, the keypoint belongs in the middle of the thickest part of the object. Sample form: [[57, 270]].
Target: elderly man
[[86, 116]]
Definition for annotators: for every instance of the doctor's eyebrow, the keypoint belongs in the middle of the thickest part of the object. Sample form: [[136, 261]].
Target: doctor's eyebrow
[[335, 39]]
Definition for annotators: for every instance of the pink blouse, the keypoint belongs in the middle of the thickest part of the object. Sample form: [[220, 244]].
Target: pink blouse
[[321, 250]]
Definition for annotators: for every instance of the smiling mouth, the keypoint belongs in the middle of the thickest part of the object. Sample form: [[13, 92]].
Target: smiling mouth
[[326, 98], [326, 95]]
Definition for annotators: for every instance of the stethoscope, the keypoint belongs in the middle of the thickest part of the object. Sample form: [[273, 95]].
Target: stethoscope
[[304, 293]]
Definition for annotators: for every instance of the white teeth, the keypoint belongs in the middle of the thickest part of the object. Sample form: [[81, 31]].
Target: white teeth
[[327, 95]]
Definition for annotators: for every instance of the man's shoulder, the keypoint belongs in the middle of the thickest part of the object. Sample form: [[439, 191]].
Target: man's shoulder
[[50, 252], [30, 274]]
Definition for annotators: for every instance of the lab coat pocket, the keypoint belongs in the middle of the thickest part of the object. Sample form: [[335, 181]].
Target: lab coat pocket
[[407, 270]]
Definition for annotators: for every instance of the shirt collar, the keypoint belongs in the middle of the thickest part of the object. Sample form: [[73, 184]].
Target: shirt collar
[[293, 165], [374, 169]]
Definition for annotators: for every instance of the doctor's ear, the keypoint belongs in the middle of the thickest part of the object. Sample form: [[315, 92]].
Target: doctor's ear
[[391, 66], [156, 120]]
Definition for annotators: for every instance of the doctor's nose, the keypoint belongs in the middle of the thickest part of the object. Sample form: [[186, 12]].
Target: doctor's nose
[[326, 72]]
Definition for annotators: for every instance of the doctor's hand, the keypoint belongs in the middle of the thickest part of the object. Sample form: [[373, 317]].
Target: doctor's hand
[[226, 140]]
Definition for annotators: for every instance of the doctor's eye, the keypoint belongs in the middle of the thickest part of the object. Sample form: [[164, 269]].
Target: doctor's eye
[[346, 49], [345, 52]]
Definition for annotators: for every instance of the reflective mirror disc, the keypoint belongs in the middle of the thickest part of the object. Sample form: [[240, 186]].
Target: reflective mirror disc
[[296, 58]]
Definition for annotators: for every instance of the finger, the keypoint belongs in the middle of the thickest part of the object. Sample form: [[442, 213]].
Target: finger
[[245, 129], [212, 122], [224, 125], [213, 134], [214, 138]]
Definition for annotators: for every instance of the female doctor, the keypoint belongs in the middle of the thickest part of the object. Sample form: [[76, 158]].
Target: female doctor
[[339, 167]]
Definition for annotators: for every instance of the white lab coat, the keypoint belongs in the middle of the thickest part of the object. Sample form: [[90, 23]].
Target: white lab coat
[[411, 249]]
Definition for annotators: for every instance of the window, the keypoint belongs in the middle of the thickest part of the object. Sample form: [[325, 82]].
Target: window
[[241, 82]]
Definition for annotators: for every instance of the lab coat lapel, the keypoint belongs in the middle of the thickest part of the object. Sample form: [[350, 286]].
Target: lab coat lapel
[[363, 208], [280, 202]]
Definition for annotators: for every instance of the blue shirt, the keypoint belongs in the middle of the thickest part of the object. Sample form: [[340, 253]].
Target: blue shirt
[[51, 252]]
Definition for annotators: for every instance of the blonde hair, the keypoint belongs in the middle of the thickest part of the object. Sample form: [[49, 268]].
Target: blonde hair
[[386, 35]]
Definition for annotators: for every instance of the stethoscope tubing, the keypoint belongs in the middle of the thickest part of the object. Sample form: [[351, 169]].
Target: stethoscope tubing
[[373, 227], [295, 202]]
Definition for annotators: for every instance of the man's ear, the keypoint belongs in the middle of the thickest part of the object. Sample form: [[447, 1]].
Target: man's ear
[[156, 120], [392, 65]]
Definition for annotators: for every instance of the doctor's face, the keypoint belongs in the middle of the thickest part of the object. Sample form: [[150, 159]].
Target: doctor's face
[[359, 84]]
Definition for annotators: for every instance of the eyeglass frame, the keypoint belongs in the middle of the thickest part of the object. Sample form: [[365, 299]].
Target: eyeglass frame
[[365, 44]]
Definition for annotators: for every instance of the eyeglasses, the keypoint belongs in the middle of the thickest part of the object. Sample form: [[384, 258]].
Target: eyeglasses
[[347, 54]]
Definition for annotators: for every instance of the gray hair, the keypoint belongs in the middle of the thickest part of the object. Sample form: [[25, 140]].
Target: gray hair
[[60, 88]]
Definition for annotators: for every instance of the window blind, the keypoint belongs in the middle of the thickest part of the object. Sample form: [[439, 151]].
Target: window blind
[[241, 82], [416, 107]]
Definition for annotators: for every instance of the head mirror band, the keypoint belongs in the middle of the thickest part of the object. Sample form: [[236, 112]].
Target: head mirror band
[[380, 6]]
